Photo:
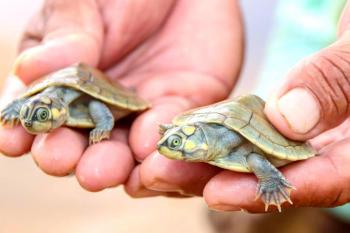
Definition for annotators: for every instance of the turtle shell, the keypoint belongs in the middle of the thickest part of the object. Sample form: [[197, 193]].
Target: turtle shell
[[245, 116], [93, 83]]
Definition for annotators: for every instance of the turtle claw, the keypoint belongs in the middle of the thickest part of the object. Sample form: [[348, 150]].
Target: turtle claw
[[97, 135], [8, 117], [274, 193], [10, 114]]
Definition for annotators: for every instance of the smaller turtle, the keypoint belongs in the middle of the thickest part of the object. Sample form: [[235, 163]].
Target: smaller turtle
[[77, 96], [236, 135]]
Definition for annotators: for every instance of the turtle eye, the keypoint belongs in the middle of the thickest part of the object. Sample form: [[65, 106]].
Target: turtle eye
[[42, 114], [174, 142]]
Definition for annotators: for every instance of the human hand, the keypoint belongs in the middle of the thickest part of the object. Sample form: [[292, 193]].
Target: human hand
[[315, 98], [177, 54]]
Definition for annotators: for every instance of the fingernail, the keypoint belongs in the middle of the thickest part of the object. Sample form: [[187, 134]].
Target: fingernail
[[160, 185], [145, 193], [22, 58], [224, 207], [300, 109]]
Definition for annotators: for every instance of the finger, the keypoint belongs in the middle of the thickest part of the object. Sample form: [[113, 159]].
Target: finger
[[331, 136], [67, 32], [144, 131], [135, 188], [316, 95], [57, 153], [237, 190], [13, 141], [162, 174], [106, 164]]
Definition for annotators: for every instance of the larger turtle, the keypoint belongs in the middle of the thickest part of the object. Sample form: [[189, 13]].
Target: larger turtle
[[77, 96], [236, 135]]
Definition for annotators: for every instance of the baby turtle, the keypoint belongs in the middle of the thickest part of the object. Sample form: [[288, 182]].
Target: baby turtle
[[236, 135], [76, 96]]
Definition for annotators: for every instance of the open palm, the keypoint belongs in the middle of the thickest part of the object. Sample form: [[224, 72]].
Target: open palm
[[177, 54]]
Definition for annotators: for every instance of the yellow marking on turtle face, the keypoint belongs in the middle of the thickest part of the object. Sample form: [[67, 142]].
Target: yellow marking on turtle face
[[189, 145], [170, 153], [45, 100], [56, 113], [188, 129]]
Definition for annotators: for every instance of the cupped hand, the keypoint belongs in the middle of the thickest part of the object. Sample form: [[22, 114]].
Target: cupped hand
[[177, 54]]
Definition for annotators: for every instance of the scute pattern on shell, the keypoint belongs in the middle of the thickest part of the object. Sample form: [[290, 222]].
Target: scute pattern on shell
[[92, 82]]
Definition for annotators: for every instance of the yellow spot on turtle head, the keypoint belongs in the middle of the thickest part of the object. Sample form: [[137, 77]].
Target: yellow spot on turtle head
[[45, 100], [56, 113], [190, 145], [188, 129]]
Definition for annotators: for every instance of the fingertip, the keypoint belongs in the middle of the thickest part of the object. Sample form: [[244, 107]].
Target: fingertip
[[275, 117], [162, 174], [313, 100], [57, 153], [15, 141], [228, 191], [135, 188], [55, 54], [103, 165], [278, 121], [32, 64], [155, 172], [144, 134], [144, 131]]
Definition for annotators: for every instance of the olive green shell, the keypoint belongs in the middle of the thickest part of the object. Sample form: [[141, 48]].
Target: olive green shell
[[93, 83], [245, 116]]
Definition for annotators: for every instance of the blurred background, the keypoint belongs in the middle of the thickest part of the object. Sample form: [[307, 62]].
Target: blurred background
[[31, 201]]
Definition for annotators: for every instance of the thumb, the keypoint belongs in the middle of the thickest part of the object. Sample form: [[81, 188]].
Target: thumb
[[62, 33], [316, 94]]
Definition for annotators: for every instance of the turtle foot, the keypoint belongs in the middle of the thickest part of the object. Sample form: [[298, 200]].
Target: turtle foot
[[274, 191], [97, 135], [9, 116]]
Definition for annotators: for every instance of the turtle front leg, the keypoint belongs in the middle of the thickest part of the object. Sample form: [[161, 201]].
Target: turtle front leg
[[273, 188], [10, 114], [103, 119]]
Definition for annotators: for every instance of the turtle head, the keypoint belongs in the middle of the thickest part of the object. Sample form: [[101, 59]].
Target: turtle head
[[186, 142], [40, 114]]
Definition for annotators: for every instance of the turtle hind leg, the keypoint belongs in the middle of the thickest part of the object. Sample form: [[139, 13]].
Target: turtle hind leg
[[273, 188], [103, 119], [10, 114]]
